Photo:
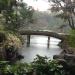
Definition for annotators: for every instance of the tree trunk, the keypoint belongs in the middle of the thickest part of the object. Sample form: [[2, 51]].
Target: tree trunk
[[71, 22]]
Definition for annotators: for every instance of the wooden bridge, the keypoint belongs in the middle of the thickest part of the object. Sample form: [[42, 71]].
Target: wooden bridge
[[60, 36]]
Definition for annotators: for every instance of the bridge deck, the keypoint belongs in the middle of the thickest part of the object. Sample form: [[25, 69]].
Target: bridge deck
[[45, 33]]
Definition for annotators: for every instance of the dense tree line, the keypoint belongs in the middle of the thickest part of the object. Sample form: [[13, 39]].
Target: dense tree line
[[68, 10]]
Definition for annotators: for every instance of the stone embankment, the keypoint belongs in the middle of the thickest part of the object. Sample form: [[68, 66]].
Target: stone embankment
[[67, 57]]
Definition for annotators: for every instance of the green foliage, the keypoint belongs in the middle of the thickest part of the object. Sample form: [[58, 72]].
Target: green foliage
[[40, 65], [7, 4], [14, 69], [25, 14], [71, 38], [21, 68], [15, 14], [43, 66]]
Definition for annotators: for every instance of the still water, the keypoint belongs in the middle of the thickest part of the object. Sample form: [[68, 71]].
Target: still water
[[38, 45]]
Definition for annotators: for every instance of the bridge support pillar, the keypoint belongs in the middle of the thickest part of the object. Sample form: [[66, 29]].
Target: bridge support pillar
[[48, 42], [28, 40]]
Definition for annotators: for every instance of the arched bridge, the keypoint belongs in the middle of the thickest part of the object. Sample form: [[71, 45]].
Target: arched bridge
[[60, 36]]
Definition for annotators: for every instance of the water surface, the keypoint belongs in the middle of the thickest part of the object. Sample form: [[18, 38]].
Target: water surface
[[38, 45]]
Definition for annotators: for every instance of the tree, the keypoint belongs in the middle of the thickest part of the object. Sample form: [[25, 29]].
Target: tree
[[12, 14], [25, 14], [68, 10], [15, 13]]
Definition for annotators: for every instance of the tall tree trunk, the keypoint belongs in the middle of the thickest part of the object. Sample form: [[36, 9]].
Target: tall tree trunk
[[71, 22]]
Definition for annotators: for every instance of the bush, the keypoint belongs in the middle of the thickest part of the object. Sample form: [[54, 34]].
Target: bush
[[71, 38], [40, 65], [10, 42], [43, 66], [14, 69]]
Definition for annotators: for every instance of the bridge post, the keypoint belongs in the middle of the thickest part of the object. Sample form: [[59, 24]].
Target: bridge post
[[48, 42], [28, 40]]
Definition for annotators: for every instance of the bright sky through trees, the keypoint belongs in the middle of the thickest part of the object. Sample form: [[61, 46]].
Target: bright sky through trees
[[41, 5]]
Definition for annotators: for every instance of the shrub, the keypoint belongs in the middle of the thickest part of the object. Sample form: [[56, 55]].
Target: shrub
[[71, 38], [43, 66]]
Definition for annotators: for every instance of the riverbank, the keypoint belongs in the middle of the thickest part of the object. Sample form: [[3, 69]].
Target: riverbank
[[67, 56], [66, 48]]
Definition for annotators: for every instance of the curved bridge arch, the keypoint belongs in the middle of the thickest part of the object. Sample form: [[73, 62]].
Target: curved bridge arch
[[60, 36], [45, 33]]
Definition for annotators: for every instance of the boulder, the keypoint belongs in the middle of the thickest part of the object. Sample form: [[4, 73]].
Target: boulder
[[58, 57], [69, 58]]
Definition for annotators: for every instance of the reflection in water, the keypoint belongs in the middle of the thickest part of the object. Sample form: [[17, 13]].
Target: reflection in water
[[38, 45]]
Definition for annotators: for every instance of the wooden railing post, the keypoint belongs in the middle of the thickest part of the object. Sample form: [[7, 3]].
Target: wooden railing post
[[48, 42], [28, 40]]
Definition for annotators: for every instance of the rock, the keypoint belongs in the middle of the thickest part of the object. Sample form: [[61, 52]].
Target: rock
[[71, 50], [58, 57], [19, 57], [69, 58], [62, 61], [68, 62]]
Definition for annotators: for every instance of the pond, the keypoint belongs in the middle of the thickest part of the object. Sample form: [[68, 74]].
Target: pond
[[38, 45]]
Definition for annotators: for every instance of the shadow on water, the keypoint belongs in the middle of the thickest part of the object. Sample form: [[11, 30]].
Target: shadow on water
[[38, 45]]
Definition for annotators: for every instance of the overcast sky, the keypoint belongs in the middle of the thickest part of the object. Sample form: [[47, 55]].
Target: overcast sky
[[41, 5]]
